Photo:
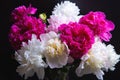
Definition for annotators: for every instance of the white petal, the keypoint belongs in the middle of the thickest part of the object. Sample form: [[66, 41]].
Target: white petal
[[99, 74], [25, 70], [66, 8], [48, 36], [21, 69], [63, 14], [56, 53], [100, 58], [29, 73], [40, 72], [57, 61], [30, 58]]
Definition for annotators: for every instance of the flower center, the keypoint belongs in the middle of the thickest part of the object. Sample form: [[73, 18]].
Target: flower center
[[55, 47], [94, 61]]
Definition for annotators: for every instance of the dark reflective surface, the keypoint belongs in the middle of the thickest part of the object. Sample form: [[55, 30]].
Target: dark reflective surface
[[8, 65]]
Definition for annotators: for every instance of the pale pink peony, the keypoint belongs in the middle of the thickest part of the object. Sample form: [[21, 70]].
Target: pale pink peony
[[98, 23], [21, 11], [78, 37], [22, 30]]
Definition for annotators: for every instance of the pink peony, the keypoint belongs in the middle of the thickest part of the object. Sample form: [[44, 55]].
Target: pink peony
[[98, 23], [78, 37], [22, 30], [22, 11]]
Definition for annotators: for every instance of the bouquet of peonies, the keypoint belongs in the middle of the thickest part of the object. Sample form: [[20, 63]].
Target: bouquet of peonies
[[52, 47]]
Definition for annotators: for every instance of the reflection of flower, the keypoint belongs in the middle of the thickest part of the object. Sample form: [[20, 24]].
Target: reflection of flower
[[78, 37], [99, 24], [100, 57], [68, 40], [56, 52], [30, 57], [63, 13]]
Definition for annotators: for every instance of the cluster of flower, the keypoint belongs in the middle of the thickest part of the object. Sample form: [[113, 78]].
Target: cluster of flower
[[69, 36]]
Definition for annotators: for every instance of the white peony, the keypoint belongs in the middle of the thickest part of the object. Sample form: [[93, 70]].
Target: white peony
[[63, 14], [30, 59], [99, 58], [66, 8], [56, 52]]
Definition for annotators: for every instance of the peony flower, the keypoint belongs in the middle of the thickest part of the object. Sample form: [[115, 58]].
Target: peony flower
[[22, 30], [21, 11], [99, 58], [98, 23], [78, 37], [67, 8], [30, 59], [56, 52], [63, 13]]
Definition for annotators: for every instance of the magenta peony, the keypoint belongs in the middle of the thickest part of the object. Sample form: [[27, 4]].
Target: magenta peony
[[78, 37], [22, 11], [98, 23], [22, 30]]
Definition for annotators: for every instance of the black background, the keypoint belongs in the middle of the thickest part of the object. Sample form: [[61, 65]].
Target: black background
[[7, 63]]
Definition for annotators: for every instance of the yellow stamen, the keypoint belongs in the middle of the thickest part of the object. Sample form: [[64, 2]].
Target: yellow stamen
[[93, 61], [55, 47]]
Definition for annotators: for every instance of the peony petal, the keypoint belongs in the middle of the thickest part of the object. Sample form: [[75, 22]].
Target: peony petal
[[40, 73], [99, 58]]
